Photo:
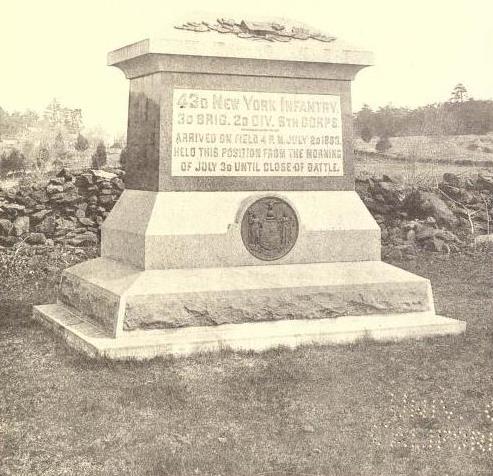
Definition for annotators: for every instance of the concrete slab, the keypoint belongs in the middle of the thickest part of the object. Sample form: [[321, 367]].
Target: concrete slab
[[256, 336]]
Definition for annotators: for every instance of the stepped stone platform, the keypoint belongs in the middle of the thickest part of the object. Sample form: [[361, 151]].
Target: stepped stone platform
[[181, 311]]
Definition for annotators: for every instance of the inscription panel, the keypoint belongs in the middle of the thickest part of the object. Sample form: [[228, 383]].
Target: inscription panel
[[245, 133]]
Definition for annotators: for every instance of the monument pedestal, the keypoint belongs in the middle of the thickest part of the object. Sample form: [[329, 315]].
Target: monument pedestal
[[162, 230], [257, 336], [119, 311], [240, 226], [175, 277]]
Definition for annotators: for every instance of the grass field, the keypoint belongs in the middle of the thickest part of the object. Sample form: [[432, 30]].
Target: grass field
[[416, 407], [446, 149], [413, 173], [422, 160]]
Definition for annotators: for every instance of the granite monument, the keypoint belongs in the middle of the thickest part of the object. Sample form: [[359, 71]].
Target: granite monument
[[239, 226]]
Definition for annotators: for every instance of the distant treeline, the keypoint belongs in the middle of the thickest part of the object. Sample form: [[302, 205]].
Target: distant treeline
[[16, 123], [450, 118]]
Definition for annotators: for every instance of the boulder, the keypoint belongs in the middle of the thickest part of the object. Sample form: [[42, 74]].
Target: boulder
[[5, 227], [64, 224], [21, 226], [11, 193], [102, 175], [388, 192], [85, 239], [58, 180], [411, 235], [104, 184], [47, 226], [8, 240], [105, 200], [13, 208], [65, 174], [80, 213], [424, 204], [486, 240], [26, 200], [69, 186], [447, 236], [485, 181], [377, 208], [84, 180], [435, 244], [57, 197], [40, 196], [392, 253], [40, 216], [71, 198], [52, 189], [453, 180], [395, 178], [36, 239], [118, 183], [86, 221]]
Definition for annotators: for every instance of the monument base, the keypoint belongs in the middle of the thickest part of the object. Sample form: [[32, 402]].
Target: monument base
[[110, 309], [256, 336]]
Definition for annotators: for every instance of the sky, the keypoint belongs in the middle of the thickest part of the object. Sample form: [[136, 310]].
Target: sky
[[57, 48]]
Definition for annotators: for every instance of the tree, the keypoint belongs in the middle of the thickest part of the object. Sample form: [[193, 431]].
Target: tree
[[459, 94], [42, 156], [119, 142], [3, 122], [124, 158], [15, 160], [81, 144], [366, 134], [383, 144], [28, 150], [364, 122], [99, 157], [59, 146]]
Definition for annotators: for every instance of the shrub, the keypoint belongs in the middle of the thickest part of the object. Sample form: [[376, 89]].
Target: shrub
[[123, 158], [366, 134], [99, 157], [81, 144], [14, 161], [383, 144]]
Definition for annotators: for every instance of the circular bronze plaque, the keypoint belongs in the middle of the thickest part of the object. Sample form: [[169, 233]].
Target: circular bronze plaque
[[269, 228]]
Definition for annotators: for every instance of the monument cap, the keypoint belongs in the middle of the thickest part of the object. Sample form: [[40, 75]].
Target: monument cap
[[275, 40]]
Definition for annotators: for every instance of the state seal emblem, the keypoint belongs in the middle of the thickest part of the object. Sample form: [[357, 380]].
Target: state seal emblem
[[269, 228]]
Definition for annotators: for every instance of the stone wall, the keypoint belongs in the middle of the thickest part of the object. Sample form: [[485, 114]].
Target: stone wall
[[69, 209], [454, 216]]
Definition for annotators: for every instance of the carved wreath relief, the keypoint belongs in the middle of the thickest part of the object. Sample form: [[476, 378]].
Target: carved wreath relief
[[256, 30], [269, 228]]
